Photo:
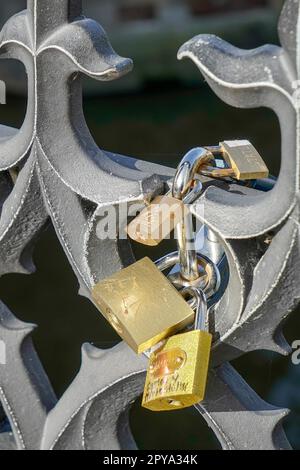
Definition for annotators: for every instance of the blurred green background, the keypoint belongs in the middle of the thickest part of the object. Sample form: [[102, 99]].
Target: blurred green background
[[157, 114]]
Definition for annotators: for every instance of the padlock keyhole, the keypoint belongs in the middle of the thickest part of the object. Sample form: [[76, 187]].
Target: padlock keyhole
[[175, 403]]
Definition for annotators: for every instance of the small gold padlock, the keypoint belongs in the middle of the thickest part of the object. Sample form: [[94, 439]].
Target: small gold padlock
[[142, 305], [177, 373], [156, 221], [244, 159]]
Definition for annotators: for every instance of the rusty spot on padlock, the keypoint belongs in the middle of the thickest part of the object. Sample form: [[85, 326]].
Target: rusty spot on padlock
[[168, 362]]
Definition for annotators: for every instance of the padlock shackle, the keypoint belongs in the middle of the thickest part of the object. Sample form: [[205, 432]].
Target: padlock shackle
[[213, 171], [210, 287], [187, 170], [201, 314], [215, 149], [187, 187]]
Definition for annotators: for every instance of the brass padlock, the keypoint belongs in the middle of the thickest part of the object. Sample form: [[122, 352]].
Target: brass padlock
[[156, 221], [142, 305], [177, 374], [244, 159]]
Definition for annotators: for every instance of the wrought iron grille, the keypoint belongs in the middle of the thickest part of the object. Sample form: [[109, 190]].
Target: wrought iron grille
[[52, 169]]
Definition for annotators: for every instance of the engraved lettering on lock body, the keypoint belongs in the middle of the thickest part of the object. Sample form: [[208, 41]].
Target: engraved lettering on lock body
[[244, 159], [177, 372], [142, 305], [181, 368]]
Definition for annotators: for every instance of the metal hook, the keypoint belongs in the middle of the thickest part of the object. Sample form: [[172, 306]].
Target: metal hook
[[185, 178], [188, 169], [201, 313]]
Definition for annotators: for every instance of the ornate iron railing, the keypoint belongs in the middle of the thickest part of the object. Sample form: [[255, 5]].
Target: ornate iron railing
[[63, 176]]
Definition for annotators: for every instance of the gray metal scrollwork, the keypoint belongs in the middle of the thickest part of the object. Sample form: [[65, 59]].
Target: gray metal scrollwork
[[64, 176]]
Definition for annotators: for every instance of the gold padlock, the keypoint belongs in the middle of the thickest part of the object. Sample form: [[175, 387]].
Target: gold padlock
[[156, 221], [142, 305], [244, 159], [177, 374]]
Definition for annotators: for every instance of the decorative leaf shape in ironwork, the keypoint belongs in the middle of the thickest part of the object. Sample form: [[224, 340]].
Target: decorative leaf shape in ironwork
[[94, 412], [54, 146], [264, 285]]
